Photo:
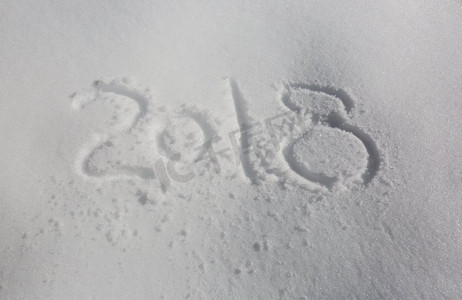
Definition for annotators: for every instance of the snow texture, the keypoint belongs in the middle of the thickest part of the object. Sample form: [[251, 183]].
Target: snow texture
[[231, 150]]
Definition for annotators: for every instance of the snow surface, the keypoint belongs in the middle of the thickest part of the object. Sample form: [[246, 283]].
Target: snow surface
[[231, 149]]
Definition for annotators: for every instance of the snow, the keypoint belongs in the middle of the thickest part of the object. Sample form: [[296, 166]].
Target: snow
[[241, 150]]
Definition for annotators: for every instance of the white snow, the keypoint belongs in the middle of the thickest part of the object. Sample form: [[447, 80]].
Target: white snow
[[230, 149]]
